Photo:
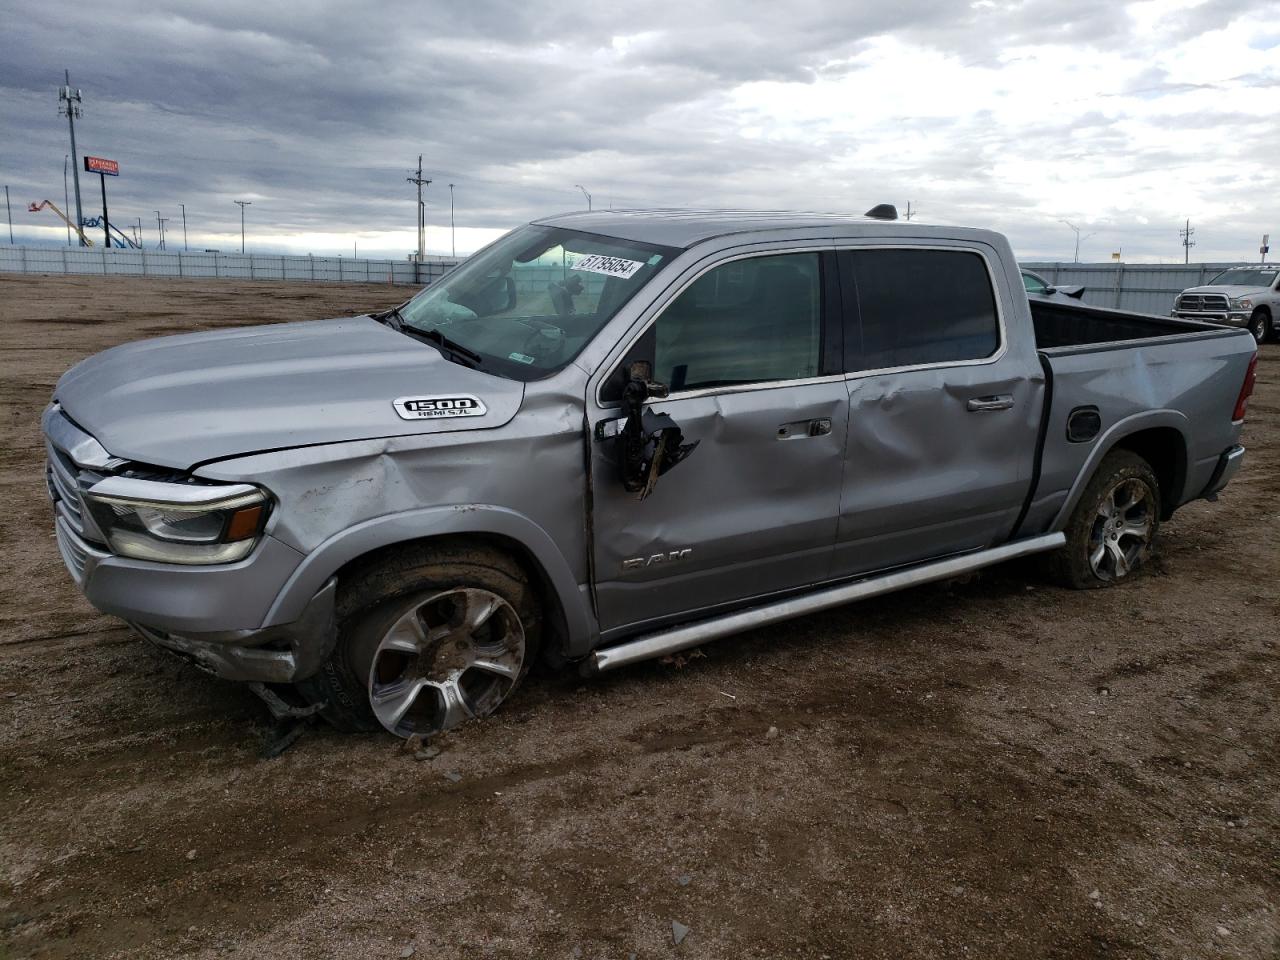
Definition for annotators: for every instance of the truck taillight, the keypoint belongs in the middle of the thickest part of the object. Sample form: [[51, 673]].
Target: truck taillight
[[1246, 389]]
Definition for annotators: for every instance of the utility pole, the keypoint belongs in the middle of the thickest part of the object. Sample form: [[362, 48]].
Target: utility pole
[[69, 102], [243, 204], [139, 231], [909, 213], [1186, 233], [66, 201], [422, 210], [160, 222], [184, 225], [453, 236], [8, 212], [585, 194]]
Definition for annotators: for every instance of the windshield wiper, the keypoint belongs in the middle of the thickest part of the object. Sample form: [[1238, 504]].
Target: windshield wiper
[[451, 349]]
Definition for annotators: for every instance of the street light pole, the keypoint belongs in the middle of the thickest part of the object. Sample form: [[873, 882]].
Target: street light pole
[[453, 237], [585, 194], [8, 212], [243, 204], [184, 225]]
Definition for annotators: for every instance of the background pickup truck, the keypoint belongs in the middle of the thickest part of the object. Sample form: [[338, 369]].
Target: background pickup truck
[[1239, 296], [611, 436]]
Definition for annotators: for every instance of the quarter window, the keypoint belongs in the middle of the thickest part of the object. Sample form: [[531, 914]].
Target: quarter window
[[748, 321], [922, 306]]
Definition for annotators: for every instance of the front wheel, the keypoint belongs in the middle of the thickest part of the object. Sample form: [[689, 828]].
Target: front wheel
[[1113, 527], [1260, 325], [428, 638]]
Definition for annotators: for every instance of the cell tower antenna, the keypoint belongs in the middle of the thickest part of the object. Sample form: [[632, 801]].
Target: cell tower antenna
[[69, 104]]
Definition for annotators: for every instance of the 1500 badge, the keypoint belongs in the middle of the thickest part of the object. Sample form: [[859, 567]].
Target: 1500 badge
[[435, 408]]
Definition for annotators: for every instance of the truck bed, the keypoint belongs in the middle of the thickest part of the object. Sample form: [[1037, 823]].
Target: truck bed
[[1138, 372], [1059, 325]]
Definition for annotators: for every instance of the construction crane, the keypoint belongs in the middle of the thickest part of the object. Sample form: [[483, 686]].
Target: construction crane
[[37, 207]]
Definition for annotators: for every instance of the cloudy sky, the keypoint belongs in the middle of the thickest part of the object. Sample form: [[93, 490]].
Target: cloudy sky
[[1123, 118]]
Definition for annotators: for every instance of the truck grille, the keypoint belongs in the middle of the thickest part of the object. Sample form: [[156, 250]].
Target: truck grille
[[64, 487], [74, 551], [1215, 302]]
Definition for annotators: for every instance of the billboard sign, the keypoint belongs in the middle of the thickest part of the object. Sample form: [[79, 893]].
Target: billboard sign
[[101, 165]]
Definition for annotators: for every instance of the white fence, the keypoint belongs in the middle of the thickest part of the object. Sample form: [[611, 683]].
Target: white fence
[[1141, 287], [228, 266]]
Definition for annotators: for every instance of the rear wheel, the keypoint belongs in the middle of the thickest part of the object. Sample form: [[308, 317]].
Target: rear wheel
[[428, 638], [1112, 529], [1260, 325]]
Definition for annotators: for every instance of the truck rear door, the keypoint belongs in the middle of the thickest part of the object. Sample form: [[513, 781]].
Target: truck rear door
[[945, 394]]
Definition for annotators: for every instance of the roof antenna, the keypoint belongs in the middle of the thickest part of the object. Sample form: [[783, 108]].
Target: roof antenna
[[882, 211]]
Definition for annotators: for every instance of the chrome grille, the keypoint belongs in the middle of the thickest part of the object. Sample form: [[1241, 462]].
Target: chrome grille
[[64, 483], [1202, 301], [75, 553]]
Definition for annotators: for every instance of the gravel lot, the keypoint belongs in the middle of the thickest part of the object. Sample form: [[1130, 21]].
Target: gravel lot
[[990, 769]]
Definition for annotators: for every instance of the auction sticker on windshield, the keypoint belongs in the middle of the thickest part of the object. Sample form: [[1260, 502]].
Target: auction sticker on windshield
[[433, 408], [609, 266]]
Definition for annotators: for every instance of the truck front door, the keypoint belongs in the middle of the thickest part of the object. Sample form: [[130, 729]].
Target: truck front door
[[749, 350], [944, 404]]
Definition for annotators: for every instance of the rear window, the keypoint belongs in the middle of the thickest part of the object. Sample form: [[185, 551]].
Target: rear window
[[922, 306]]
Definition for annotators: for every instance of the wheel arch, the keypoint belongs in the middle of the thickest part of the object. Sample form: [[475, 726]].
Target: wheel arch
[[571, 623], [1160, 438]]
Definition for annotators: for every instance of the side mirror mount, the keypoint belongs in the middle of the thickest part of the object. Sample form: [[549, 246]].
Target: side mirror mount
[[649, 443]]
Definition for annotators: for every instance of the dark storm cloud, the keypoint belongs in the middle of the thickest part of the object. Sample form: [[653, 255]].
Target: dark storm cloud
[[316, 110]]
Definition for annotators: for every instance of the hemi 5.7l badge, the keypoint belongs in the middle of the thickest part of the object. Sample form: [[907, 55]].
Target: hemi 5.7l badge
[[436, 408]]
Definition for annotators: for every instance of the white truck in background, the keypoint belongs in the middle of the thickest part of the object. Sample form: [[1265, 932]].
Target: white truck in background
[[1240, 297]]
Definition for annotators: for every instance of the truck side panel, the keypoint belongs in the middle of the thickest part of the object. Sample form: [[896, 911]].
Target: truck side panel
[[1185, 388]]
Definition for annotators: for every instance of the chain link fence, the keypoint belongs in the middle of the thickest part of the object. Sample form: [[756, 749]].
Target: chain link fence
[[101, 261]]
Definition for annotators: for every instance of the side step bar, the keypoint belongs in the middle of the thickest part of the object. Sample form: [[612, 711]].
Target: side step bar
[[663, 642]]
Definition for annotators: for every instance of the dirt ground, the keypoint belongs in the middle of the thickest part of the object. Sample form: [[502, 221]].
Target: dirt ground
[[991, 769]]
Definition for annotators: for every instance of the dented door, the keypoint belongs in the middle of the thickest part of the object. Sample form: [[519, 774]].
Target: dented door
[[752, 509]]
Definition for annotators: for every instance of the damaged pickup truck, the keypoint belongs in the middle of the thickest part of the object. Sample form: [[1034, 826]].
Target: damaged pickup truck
[[611, 436]]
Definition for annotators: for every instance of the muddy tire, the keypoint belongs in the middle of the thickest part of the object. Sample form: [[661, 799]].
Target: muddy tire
[[1113, 527], [429, 636]]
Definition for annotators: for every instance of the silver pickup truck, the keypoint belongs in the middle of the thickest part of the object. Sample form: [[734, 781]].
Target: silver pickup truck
[[1239, 296], [611, 436]]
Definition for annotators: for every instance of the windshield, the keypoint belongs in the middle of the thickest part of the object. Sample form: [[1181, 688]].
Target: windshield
[[528, 304], [1244, 278]]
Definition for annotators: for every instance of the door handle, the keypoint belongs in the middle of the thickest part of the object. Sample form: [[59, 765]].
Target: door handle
[[986, 404], [805, 428]]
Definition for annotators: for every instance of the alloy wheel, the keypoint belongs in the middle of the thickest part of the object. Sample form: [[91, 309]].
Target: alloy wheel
[[449, 658], [1122, 529]]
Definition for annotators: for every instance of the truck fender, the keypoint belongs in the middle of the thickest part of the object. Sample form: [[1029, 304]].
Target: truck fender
[[1108, 441], [471, 518]]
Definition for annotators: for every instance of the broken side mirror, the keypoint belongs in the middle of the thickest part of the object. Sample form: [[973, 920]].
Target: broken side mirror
[[649, 443]]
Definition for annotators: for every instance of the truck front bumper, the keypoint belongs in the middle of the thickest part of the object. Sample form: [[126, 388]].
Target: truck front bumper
[[283, 654]]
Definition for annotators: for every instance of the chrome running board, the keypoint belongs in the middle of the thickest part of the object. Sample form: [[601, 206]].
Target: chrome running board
[[663, 642]]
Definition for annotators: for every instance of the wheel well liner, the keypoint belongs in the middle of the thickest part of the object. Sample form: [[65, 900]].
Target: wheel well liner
[[1165, 449]]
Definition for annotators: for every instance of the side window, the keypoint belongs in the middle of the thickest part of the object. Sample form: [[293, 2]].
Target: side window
[[922, 306], [1033, 284], [748, 321]]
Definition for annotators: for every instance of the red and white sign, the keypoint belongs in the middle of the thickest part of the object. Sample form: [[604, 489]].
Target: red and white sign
[[102, 165]]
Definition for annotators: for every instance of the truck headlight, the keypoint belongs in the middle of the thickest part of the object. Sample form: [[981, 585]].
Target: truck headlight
[[1244, 303], [178, 522]]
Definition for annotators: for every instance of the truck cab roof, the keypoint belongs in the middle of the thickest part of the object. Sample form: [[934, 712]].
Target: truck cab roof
[[682, 228]]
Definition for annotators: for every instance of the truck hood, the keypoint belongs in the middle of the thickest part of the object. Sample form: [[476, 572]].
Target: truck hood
[[179, 401], [1234, 292]]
